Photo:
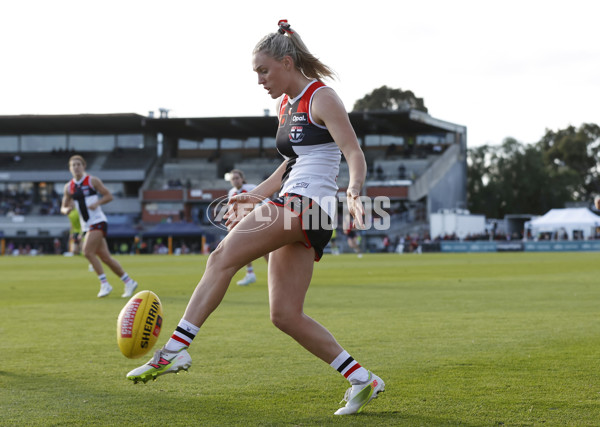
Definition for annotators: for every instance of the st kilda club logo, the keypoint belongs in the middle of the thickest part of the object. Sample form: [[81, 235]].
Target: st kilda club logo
[[296, 134]]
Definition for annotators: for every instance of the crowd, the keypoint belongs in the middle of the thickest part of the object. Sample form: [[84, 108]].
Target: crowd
[[174, 184], [18, 202], [51, 206], [15, 202], [33, 248], [487, 236]]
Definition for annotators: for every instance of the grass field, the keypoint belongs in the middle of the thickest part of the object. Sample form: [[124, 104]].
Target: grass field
[[460, 339]]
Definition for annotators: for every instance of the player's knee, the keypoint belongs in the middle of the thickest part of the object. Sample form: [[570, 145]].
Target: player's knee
[[89, 253], [283, 320], [223, 260], [105, 258]]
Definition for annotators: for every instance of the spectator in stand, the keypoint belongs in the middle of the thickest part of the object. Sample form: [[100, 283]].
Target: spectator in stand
[[57, 246], [401, 171], [390, 150], [15, 202], [386, 243]]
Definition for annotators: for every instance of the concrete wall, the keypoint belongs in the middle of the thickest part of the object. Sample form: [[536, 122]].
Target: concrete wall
[[444, 184]]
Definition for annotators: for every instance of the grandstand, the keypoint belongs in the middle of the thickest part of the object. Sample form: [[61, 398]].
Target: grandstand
[[168, 170]]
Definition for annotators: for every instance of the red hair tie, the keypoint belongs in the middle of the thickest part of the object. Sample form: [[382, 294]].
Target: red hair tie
[[284, 27]]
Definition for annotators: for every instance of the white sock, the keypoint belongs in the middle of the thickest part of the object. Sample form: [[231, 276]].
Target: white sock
[[183, 336], [349, 368], [125, 278]]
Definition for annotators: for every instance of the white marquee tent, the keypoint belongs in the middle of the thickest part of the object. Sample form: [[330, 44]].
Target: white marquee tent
[[568, 220]]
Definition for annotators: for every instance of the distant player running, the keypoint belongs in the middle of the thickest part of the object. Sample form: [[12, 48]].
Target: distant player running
[[240, 186], [82, 192]]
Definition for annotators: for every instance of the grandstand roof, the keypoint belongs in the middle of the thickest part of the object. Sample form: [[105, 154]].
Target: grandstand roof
[[87, 123], [364, 123], [370, 122], [214, 127]]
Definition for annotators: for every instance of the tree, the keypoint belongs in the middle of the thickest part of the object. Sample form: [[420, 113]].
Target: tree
[[575, 151], [385, 98], [514, 178]]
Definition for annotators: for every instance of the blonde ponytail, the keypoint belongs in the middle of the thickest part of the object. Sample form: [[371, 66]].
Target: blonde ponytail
[[287, 42]]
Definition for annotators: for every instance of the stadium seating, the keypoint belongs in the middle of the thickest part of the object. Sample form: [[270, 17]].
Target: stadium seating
[[129, 159], [179, 183]]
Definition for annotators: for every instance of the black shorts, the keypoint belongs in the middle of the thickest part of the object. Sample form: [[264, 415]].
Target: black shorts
[[316, 224], [102, 226]]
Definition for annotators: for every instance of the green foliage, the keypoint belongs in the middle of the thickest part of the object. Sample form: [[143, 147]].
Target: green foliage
[[576, 151], [385, 98], [534, 178], [461, 339]]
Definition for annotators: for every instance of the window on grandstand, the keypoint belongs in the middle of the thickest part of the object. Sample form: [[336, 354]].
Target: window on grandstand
[[207, 144], [58, 187], [430, 139], [383, 140], [389, 140], [92, 142], [252, 143], [46, 143], [18, 187], [231, 144], [130, 141], [43, 143], [226, 144], [116, 188], [372, 140], [9, 144], [269, 143]]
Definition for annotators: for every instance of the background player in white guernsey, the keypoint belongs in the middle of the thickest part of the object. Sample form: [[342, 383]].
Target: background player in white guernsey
[[313, 128], [239, 186], [82, 192]]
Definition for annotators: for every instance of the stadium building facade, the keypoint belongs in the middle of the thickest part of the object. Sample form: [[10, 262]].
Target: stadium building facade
[[165, 172]]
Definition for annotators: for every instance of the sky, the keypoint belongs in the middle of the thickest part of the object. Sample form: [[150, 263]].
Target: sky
[[502, 69]]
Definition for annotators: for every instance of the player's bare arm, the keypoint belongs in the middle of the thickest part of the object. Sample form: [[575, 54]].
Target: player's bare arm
[[67, 201], [328, 109]]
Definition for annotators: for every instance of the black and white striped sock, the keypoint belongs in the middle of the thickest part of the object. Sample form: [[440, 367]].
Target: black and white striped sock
[[349, 368], [184, 334]]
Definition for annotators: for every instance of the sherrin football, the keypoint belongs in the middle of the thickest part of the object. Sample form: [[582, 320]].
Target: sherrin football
[[139, 323]]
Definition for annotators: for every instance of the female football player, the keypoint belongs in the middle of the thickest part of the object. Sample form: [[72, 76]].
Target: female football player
[[313, 128], [82, 192]]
